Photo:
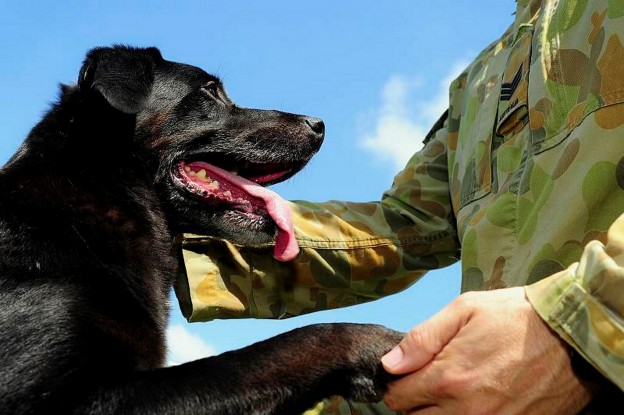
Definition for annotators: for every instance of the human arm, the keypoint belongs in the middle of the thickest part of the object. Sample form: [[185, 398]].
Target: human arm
[[492, 350], [509, 351], [486, 352]]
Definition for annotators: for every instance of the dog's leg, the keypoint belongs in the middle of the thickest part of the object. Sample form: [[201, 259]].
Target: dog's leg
[[286, 374]]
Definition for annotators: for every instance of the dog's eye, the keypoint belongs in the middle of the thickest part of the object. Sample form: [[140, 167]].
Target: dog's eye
[[212, 89]]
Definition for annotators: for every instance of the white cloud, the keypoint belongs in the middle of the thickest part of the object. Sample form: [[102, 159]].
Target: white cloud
[[184, 346], [399, 127]]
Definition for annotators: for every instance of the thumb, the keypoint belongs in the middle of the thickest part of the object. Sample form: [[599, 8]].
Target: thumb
[[423, 342]]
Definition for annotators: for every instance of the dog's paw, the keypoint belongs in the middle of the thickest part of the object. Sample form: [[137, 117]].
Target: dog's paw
[[363, 378]]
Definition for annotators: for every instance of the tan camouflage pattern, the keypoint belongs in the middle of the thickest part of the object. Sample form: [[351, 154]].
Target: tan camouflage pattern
[[524, 176]]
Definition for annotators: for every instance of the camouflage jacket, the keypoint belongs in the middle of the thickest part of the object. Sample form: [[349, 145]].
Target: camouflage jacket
[[523, 176]]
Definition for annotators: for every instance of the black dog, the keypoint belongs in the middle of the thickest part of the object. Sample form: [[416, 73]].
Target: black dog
[[89, 205]]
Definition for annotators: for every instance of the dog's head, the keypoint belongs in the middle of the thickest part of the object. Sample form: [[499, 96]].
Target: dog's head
[[210, 158]]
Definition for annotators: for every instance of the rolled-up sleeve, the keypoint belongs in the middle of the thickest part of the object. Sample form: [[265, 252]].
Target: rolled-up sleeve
[[585, 303]]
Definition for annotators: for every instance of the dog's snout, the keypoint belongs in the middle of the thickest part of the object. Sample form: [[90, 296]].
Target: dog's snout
[[316, 125]]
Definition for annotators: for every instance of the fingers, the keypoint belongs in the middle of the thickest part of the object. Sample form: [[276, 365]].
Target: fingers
[[424, 341], [410, 393]]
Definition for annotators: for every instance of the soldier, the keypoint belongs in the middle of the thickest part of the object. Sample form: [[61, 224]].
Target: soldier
[[523, 177]]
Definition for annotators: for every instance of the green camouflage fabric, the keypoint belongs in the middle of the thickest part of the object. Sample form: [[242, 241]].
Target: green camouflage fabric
[[523, 176]]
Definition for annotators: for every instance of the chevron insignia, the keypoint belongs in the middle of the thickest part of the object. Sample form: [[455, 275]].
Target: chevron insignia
[[508, 88]]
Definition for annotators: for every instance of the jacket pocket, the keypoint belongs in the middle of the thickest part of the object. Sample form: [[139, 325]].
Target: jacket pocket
[[474, 97], [493, 98], [578, 70]]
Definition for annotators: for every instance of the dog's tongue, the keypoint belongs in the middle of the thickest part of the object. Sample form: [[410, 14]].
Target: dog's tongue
[[286, 247]]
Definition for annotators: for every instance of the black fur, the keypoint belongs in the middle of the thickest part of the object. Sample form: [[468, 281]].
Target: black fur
[[88, 208]]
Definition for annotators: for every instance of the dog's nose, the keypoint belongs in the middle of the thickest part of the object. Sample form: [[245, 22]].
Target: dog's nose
[[316, 125]]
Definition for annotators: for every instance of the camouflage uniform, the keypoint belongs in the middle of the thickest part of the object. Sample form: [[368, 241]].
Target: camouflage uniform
[[524, 175]]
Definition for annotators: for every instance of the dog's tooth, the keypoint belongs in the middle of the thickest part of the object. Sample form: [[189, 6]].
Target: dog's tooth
[[227, 194], [187, 169], [201, 175]]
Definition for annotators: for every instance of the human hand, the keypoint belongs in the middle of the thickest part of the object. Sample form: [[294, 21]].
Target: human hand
[[486, 353]]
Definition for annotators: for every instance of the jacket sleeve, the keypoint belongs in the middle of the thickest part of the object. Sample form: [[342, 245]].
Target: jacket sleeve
[[585, 303], [350, 252]]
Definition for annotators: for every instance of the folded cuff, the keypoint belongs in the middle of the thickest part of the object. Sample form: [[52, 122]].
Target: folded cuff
[[581, 320]]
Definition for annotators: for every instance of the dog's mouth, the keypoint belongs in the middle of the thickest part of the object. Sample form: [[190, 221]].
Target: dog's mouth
[[241, 189]]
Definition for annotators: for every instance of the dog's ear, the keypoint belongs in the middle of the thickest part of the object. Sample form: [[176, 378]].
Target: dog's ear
[[123, 75]]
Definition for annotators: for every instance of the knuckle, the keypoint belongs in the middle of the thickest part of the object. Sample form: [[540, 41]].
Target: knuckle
[[467, 300], [416, 334], [420, 337]]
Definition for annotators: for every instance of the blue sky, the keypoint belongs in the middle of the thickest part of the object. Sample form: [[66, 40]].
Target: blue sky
[[376, 73]]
